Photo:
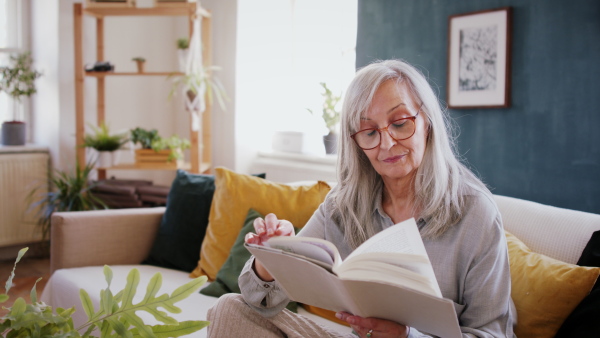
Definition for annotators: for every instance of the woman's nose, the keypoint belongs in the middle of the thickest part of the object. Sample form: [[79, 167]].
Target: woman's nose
[[387, 141]]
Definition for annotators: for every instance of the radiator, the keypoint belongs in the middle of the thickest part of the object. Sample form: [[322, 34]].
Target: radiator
[[20, 172]]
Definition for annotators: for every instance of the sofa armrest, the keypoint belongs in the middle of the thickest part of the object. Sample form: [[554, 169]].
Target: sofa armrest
[[112, 237]]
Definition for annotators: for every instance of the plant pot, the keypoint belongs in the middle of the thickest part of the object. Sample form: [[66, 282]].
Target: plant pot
[[182, 57], [105, 159], [13, 133], [140, 66], [148, 158], [330, 141]]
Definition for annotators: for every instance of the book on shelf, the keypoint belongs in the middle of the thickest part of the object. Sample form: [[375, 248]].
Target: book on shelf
[[389, 276]]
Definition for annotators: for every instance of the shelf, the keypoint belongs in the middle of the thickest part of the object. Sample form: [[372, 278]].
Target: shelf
[[180, 10], [204, 167], [104, 74]]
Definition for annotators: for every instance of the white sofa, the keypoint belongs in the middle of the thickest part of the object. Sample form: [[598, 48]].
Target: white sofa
[[82, 242]]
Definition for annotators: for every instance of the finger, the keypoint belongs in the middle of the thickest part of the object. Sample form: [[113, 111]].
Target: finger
[[259, 226], [271, 223], [252, 238], [284, 228]]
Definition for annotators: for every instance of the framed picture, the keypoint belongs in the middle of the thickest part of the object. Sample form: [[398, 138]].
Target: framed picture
[[479, 59]]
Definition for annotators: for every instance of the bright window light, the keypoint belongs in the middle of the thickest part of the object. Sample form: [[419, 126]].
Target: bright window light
[[285, 50]]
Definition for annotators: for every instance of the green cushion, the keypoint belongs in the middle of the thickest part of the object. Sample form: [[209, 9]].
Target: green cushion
[[227, 277], [183, 226]]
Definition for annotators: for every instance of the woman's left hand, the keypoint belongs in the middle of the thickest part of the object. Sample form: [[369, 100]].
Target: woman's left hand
[[379, 328]]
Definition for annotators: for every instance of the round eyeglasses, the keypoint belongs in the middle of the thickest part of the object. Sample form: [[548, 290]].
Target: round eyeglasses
[[398, 130]]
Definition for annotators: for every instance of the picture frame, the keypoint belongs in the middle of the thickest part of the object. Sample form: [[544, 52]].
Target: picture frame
[[479, 63]]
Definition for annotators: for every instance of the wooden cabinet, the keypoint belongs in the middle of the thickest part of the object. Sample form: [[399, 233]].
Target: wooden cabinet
[[200, 155]]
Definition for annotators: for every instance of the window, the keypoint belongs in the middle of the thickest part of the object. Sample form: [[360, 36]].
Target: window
[[13, 39], [285, 50]]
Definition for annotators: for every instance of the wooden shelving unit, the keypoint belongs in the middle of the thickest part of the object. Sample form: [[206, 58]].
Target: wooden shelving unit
[[200, 150]]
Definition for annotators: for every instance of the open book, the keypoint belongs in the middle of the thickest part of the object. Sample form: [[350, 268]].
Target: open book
[[389, 276]]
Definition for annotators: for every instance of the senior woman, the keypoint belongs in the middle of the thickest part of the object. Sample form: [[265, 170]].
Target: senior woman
[[396, 161]]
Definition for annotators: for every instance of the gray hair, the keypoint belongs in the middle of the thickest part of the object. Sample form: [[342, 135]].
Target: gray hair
[[441, 181]]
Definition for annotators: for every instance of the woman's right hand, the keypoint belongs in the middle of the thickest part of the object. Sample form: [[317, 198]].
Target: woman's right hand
[[265, 229]]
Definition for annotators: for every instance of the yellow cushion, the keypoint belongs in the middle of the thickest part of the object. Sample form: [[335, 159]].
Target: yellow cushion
[[234, 195], [545, 290]]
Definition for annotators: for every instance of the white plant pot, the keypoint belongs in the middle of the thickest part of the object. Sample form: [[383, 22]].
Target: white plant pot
[[182, 57], [105, 159]]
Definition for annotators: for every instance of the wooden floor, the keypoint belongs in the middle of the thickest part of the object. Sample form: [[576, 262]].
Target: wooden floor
[[27, 272]]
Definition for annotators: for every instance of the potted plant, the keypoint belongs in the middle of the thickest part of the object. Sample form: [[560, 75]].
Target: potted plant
[[167, 152], [182, 50], [331, 117], [17, 80], [105, 144], [140, 63], [115, 317], [67, 192]]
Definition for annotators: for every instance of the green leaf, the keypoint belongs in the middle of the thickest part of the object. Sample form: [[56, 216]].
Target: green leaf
[[143, 329], [4, 298], [153, 287], [108, 274], [184, 328], [133, 279], [187, 289], [12, 274], [87, 304], [33, 293], [116, 325], [18, 308]]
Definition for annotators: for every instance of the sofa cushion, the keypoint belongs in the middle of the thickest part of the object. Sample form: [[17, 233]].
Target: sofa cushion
[[234, 195], [62, 290], [545, 290], [555, 232], [583, 321], [182, 228], [227, 277]]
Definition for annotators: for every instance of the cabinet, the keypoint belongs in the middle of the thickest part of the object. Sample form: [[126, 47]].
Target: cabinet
[[200, 150]]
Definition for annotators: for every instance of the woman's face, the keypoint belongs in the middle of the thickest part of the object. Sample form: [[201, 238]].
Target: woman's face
[[396, 160]]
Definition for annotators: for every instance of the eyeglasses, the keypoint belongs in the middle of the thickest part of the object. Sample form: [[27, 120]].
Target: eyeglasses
[[398, 130]]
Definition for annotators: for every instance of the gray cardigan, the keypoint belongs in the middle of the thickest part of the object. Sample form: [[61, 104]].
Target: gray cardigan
[[470, 261]]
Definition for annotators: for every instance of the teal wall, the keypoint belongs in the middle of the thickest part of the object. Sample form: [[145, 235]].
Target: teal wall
[[546, 146]]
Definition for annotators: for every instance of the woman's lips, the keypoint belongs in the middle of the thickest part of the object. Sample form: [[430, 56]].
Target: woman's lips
[[393, 159]]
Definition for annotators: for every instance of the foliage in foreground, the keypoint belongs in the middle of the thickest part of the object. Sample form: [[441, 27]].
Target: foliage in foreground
[[116, 316]]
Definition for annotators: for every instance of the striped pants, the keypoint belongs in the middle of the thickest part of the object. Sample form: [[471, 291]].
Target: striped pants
[[231, 317]]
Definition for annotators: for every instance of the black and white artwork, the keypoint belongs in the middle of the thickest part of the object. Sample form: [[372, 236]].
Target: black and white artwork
[[478, 64], [478, 58]]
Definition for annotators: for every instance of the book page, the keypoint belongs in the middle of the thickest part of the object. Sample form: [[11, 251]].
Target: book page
[[403, 237], [315, 248]]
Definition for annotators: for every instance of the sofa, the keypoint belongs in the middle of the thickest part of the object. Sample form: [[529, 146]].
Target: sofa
[[82, 242]]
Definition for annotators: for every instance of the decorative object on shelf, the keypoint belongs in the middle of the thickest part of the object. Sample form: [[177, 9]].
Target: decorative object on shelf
[[479, 59], [158, 152], [109, 3], [105, 144], [197, 83], [67, 192], [331, 116], [144, 3], [100, 66], [17, 80], [183, 45], [140, 61], [115, 317]]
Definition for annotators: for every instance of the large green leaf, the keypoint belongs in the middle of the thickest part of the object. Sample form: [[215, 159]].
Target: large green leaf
[[184, 328], [87, 304]]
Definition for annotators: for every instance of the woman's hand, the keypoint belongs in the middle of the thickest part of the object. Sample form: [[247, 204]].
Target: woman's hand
[[265, 229], [379, 328]]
